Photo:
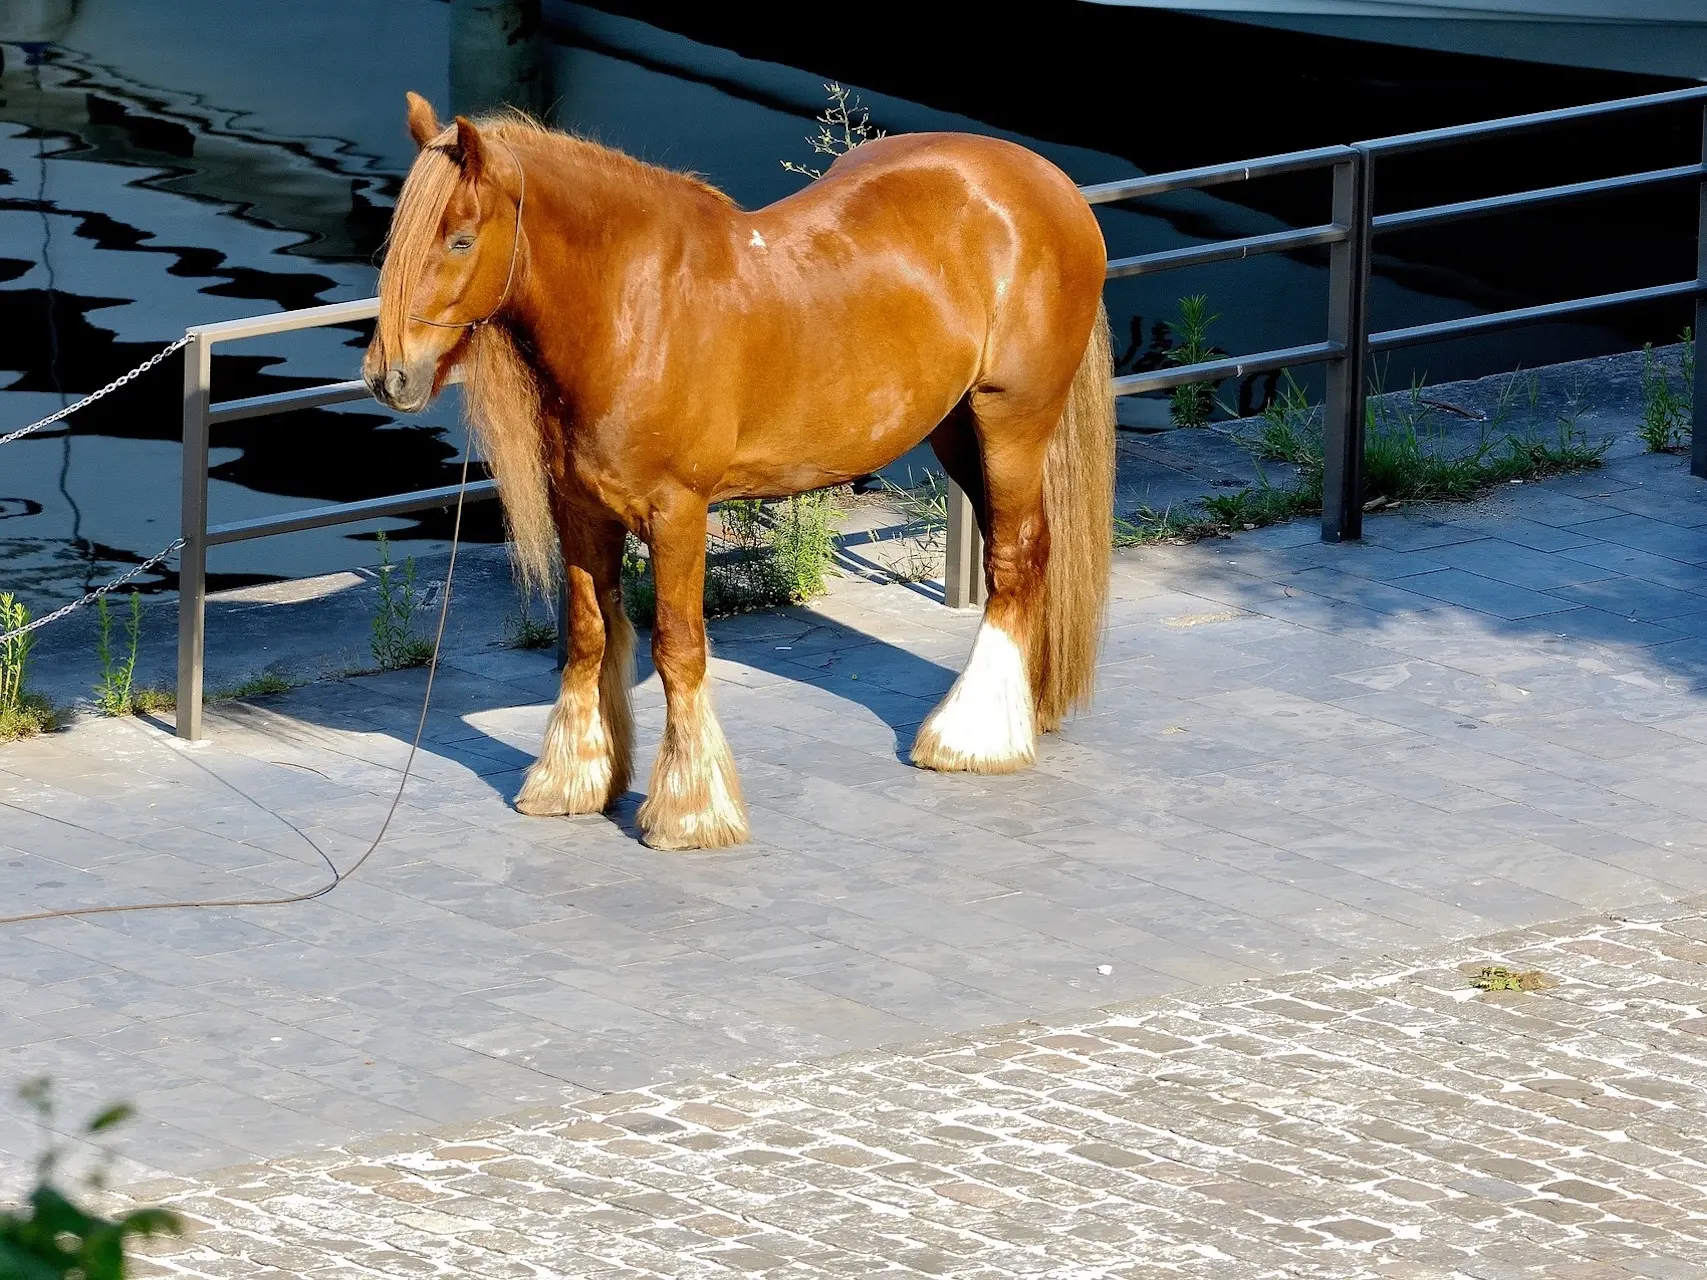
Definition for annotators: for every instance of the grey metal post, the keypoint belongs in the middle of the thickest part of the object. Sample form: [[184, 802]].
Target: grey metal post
[[1348, 294], [192, 558], [1698, 426], [963, 572]]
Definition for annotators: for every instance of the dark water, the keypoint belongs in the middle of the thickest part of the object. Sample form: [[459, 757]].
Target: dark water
[[167, 165]]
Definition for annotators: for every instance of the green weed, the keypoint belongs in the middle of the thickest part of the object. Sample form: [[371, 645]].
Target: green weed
[[1148, 525], [22, 714], [259, 685], [1409, 457], [394, 644], [118, 673], [151, 700], [802, 544], [767, 554], [51, 1236], [1496, 977], [1193, 404], [1667, 412], [524, 631]]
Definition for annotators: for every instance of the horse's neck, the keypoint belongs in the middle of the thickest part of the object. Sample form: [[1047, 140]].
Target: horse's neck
[[597, 226], [603, 204]]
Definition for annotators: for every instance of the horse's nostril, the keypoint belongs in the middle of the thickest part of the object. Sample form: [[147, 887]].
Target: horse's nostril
[[396, 381]]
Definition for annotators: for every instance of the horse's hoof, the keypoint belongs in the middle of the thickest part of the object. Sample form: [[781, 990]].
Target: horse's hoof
[[677, 833], [931, 752], [545, 794], [988, 721]]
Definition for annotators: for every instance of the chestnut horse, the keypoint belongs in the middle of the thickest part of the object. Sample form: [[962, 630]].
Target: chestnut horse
[[636, 347]]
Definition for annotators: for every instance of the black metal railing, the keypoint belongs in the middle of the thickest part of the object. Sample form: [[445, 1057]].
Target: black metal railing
[[1348, 234]]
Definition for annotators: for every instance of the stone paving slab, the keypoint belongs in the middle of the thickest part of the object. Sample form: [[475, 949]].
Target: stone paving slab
[[1298, 754], [1378, 1119]]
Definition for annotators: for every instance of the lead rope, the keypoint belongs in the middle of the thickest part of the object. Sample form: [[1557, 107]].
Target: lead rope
[[338, 877]]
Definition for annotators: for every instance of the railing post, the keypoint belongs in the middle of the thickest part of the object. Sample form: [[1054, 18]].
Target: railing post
[[963, 573], [192, 558], [1348, 325], [1698, 415]]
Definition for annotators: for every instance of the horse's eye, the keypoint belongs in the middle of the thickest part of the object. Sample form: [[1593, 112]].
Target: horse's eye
[[461, 244]]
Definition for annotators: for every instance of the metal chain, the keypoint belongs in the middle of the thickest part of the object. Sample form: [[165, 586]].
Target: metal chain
[[93, 596], [90, 399]]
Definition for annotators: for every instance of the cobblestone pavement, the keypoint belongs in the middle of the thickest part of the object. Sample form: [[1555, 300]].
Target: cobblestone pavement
[[1372, 1120], [1483, 718]]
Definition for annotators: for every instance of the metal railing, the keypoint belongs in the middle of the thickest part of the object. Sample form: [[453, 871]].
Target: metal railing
[[1348, 233], [1351, 228], [201, 413]]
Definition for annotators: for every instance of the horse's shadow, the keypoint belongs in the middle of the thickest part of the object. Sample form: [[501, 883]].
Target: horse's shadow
[[792, 669]]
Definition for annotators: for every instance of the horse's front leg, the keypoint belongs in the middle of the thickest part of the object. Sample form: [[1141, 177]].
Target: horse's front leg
[[585, 762], [694, 800]]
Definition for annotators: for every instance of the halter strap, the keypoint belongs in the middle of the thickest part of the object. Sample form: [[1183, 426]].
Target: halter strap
[[515, 251]]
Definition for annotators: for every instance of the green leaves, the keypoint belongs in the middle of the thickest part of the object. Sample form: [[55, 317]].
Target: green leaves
[[52, 1237], [114, 1115], [56, 1239]]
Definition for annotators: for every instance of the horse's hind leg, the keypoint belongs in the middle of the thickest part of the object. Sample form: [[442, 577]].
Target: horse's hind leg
[[694, 798], [584, 764], [988, 721]]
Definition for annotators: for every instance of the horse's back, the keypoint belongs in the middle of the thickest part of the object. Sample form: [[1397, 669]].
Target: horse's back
[[958, 174], [917, 269]]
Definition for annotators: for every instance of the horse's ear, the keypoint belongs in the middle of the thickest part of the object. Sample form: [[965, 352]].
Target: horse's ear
[[470, 150], [424, 126]]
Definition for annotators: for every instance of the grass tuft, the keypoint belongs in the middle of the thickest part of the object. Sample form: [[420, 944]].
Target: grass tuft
[[1667, 412], [1193, 404], [526, 632], [259, 685], [767, 554], [1496, 977], [395, 645]]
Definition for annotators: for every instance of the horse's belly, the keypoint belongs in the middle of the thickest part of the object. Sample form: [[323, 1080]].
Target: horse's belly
[[835, 438]]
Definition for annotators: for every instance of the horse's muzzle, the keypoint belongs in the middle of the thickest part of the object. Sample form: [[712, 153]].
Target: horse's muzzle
[[401, 388]]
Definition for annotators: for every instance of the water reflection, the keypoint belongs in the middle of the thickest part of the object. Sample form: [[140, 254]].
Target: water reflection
[[168, 165]]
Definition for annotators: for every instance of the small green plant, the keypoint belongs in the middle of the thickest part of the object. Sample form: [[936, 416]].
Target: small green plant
[[51, 1236], [256, 686], [113, 694], [1667, 412], [802, 541], [925, 505], [524, 631], [765, 555], [1194, 403], [1408, 456], [395, 645], [845, 124], [639, 591], [1496, 977], [1289, 428], [150, 700], [1256, 506], [22, 713], [1148, 525]]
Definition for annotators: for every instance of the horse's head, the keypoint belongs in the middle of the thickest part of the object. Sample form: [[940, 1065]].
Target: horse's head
[[451, 256]]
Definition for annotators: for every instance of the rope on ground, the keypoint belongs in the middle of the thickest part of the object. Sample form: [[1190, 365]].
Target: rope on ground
[[338, 877]]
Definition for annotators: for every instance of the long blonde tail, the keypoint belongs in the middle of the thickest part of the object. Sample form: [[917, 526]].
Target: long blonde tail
[[1078, 497]]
